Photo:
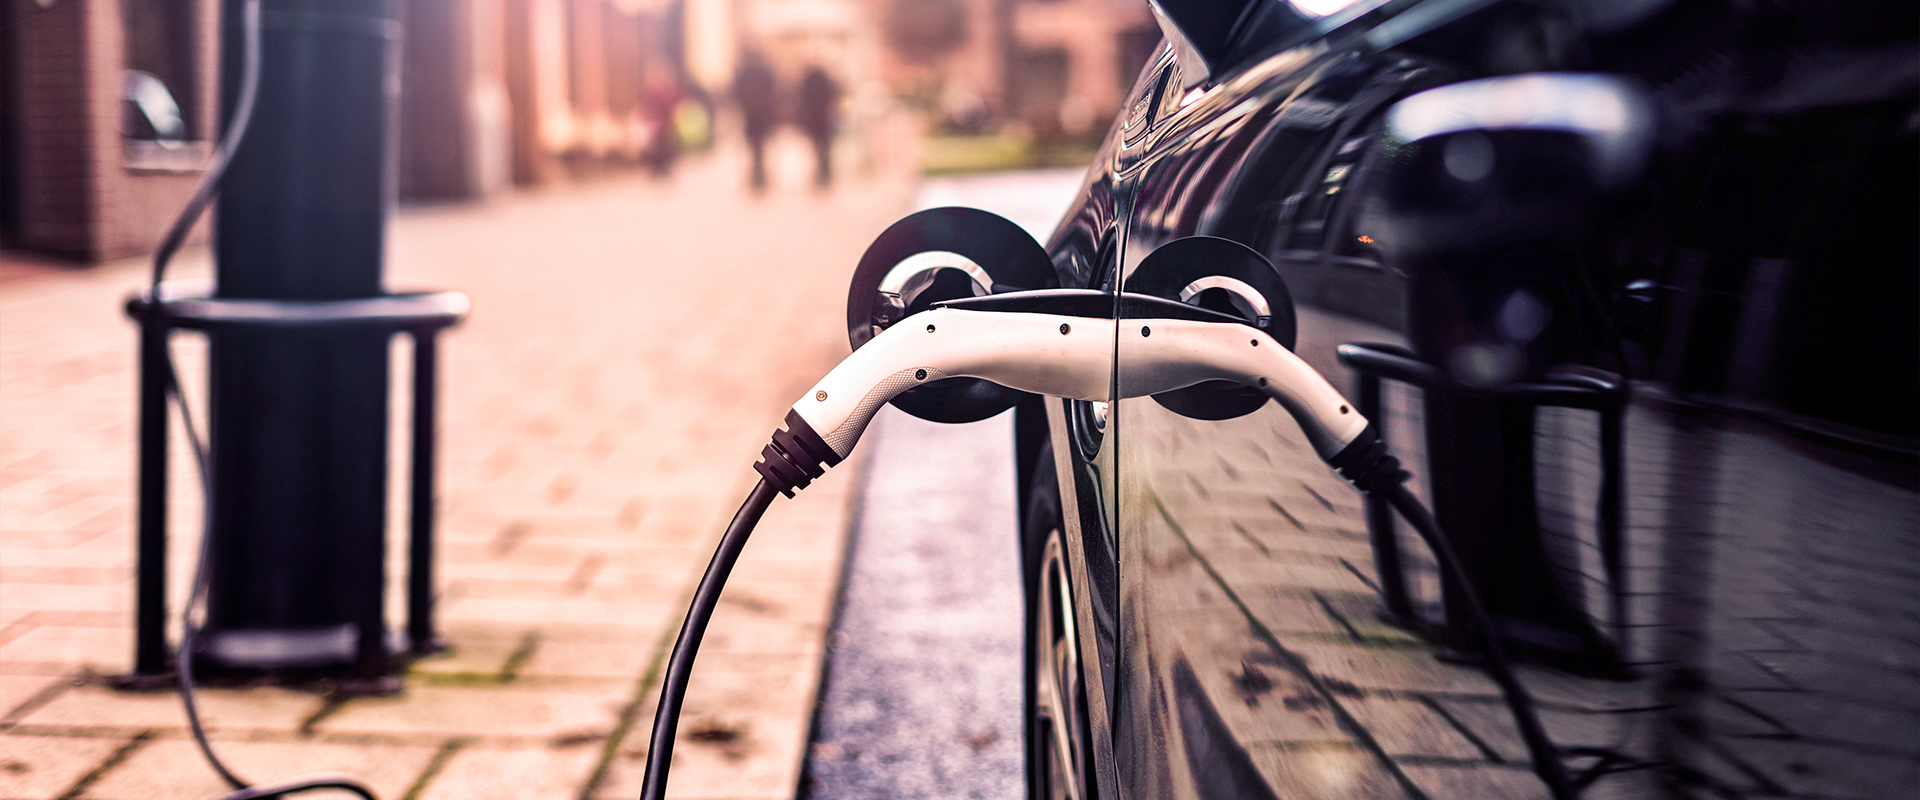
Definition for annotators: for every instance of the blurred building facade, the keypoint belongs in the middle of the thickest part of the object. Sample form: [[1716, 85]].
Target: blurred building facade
[[494, 93], [109, 108], [1051, 66], [75, 178]]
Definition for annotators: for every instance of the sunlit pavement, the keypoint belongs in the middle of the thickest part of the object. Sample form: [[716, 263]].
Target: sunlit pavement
[[632, 345]]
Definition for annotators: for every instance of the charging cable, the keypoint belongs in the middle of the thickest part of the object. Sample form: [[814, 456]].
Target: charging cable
[[236, 132], [1021, 345]]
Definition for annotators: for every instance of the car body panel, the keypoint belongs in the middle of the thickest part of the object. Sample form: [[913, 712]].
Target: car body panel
[[1756, 284]]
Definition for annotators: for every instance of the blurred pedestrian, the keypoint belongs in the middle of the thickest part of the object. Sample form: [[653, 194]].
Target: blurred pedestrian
[[658, 105], [753, 89], [819, 114]]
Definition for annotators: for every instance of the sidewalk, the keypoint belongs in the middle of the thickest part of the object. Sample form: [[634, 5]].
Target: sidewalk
[[632, 345]]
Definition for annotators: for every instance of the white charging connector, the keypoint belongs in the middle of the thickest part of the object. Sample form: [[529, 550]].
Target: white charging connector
[[1071, 357]]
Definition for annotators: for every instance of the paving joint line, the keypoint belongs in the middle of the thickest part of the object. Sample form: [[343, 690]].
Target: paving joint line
[[34, 703], [1324, 502], [517, 660], [114, 759], [1338, 617], [1478, 743], [436, 765], [1361, 575], [329, 705], [1283, 512], [1250, 540]]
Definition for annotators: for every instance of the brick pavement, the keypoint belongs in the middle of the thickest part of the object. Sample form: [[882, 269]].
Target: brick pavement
[[632, 345]]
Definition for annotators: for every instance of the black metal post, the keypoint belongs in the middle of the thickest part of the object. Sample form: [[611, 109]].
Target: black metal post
[[1612, 547], [1480, 467], [298, 423], [420, 634], [1380, 526], [150, 589]]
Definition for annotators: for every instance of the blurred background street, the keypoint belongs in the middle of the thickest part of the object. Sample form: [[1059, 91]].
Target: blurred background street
[[647, 301], [601, 413]]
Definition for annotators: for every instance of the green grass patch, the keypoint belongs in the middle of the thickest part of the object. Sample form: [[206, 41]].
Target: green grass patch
[[995, 152]]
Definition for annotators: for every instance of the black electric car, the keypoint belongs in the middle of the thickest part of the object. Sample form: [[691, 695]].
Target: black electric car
[[1629, 288]]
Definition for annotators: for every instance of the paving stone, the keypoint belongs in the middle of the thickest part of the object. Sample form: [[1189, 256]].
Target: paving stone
[[85, 707], [1884, 725], [739, 629], [741, 732], [46, 766], [1389, 669], [1318, 772], [504, 711], [706, 771], [1307, 611], [18, 689], [1364, 614], [638, 617], [758, 691], [1464, 783], [1296, 573], [623, 659], [103, 650], [173, 769], [1493, 723], [69, 597], [1254, 693], [1831, 771], [1411, 728], [70, 575], [17, 556], [1553, 688], [469, 654], [525, 773]]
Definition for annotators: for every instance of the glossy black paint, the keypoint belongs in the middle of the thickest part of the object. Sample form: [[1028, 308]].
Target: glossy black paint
[[1752, 290]]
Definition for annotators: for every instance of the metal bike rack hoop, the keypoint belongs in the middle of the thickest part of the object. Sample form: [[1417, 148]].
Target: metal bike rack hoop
[[420, 315]]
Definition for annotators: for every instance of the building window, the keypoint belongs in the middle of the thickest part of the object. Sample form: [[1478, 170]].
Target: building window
[[160, 87]]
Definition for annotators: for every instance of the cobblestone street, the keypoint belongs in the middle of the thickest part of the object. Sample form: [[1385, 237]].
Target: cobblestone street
[[631, 346]]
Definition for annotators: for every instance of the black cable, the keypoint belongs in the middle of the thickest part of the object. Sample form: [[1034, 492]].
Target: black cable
[[176, 235], [1546, 757], [680, 665], [229, 144], [197, 591], [310, 783]]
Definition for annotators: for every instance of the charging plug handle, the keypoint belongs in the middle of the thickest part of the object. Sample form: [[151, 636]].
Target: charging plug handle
[[1060, 356]]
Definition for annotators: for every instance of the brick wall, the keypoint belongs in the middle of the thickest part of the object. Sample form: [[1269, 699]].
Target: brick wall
[[56, 170], [80, 195], [493, 91]]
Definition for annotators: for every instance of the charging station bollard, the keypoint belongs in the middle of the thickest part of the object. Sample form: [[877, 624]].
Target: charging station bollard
[[299, 325]]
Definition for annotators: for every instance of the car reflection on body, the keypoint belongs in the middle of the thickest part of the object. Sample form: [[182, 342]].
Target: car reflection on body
[[1630, 287]]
